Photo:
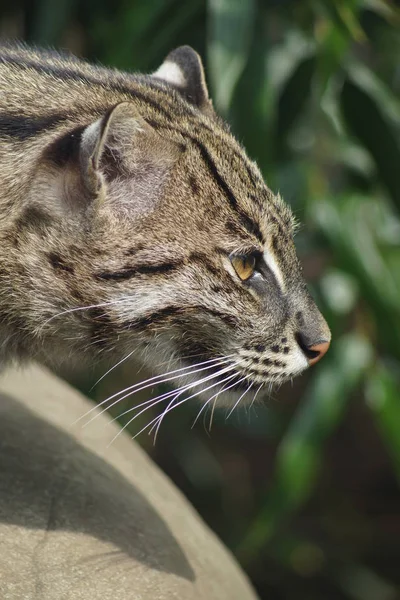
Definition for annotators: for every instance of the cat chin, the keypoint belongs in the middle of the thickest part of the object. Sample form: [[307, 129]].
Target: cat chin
[[245, 393], [229, 396]]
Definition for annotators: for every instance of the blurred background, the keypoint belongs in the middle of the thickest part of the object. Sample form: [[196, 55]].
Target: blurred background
[[304, 488]]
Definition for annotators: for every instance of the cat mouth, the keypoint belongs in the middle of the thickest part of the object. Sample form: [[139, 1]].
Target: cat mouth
[[223, 377]]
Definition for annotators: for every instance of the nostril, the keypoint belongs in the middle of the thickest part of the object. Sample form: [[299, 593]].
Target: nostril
[[314, 352], [306, 348]]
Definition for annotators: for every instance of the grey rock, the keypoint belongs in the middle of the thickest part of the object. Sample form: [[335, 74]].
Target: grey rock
[[80, 520]]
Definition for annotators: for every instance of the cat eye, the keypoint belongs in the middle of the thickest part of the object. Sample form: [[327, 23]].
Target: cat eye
[[244, 265]]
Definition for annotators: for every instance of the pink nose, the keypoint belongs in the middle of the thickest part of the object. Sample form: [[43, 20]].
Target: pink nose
[[315, 353]]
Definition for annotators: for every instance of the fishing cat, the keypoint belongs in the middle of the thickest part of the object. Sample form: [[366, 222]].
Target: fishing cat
[[132, 222]]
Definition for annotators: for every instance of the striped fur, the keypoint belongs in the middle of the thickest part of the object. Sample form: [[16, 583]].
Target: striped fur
[[126, 194]]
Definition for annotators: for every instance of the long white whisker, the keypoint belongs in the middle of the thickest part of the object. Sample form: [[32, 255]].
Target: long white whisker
[[112, 369], [155, 380], [153, 401], [212, 414], [163, 397], [189, 397], [163, 415], [173, 400], [224, 389], [255, 395], [237, 403], [131, 393], [162, 378], [150, 403]]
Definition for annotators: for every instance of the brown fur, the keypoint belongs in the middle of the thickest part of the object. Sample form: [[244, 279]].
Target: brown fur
[[127, 194]]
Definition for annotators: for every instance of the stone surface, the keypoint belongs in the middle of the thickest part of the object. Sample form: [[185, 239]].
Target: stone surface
[[80, 520]]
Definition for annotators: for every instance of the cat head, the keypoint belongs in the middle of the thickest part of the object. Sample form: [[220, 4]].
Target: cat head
[[164, 242]]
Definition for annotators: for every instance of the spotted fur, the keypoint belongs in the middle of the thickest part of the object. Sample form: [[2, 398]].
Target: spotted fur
[[122, 199]]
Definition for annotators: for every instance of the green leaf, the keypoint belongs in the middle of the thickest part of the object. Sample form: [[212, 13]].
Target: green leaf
[[383, 398], [254, 126], [301, 450], [49, 21], [294, 97], [352, 225], [369, 111], [344, 15], [230, 24]]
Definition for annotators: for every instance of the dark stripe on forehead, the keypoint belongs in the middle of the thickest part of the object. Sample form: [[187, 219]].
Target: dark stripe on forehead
[[223, 138], [215, 173], [129, 272], [65, 148], [282, 229], [261, 195], [34, 218], [254, 180], [246, 220]]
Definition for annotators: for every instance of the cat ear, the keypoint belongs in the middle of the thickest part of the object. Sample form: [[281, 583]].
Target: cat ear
[[115, 131], [184, 70], [122, 154]]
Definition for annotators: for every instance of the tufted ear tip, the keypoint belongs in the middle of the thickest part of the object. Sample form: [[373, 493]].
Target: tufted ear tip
[[183, 69]]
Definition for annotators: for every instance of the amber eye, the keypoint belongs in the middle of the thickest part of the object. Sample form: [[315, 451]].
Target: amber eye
[[244, 266]]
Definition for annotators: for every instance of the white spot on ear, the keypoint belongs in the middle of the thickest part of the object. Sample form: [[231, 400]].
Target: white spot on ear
[[273, 265], [171, 72]]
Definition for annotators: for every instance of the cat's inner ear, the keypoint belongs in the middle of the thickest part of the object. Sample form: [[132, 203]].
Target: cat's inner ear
[[112, 138], [123, 157], [183, 69]]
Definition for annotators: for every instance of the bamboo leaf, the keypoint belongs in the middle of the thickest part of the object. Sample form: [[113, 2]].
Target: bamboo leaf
[[351, 224], [294, 97], [383, 398], [300, 452], [230, 24], [49, 20], [369, 111]]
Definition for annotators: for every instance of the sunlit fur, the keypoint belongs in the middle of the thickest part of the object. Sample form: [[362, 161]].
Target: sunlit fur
[[122, 198]]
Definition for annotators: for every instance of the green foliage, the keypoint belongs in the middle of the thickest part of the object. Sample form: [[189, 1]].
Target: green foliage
[[299, 456], [312, 90]]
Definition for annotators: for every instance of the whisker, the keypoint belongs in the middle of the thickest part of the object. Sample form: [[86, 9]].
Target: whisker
[[154, 401], [181, 390], [159, 377], [161, 417], [255, 395], [150, 403], [237, 403], [155, 380], [173, 400], [131, 393], [212, 414], [112, 369], [163, 397], [224, 389]]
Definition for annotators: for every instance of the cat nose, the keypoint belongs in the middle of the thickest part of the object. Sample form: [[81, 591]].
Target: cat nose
[[314, 351]]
